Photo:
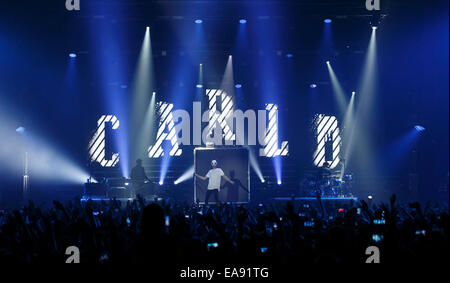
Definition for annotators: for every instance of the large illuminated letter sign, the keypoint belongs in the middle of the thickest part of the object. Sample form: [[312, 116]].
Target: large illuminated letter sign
[[166, 131], [97, 143], [268, 134], [328, 140], [220, 118]]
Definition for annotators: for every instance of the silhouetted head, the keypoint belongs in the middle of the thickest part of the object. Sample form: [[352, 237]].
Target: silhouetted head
[[152, 219], [232, 174], [139, 162]]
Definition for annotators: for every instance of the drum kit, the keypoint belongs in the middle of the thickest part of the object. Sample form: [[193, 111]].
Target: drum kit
[[331, 185]]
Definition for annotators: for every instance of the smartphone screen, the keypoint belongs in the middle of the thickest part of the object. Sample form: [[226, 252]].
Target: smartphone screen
[[308, 223], [376, 238], [167, 221], [420, 232]]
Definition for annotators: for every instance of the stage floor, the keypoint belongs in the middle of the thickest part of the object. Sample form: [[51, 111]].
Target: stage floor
[[313, 198], [84, 199]]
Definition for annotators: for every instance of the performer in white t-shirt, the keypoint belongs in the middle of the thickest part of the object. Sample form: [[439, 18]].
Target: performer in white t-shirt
[[215, 176]]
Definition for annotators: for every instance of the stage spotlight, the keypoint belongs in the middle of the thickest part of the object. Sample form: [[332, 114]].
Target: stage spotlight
[[255, 165], [327, 21], [161, 182], [369, 197], [397, 152], [42, 158], [143, 114], [47, 163], [198, 21], [328, 62], [72, 55], [289, 55], [148, 27], [338, 91], [419, 128], [20, 130], [312, 85], [278, 168], [126, 184], [185, 176], [199, 86], [238, 86], [242, 21], [360, 138], [263, 181], [347, 125], [227, 84], [375, 20]]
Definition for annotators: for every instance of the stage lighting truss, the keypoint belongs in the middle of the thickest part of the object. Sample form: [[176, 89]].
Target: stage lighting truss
[[97, 144], [328, 140]]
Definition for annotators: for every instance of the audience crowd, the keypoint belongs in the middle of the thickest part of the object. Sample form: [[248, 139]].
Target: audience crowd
[[170, 233]]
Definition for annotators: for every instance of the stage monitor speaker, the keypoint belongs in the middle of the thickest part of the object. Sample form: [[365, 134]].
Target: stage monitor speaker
[[119, 192], [235, 164]]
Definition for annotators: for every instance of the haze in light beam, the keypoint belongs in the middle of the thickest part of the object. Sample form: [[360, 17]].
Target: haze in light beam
[[227, 83], [255, 165], [364, 111], [185, 176], [338, 90], [347, 126], [143, 96]]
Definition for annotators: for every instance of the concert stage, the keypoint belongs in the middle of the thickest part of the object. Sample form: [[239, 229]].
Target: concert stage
[[236, 131], [308, 124]]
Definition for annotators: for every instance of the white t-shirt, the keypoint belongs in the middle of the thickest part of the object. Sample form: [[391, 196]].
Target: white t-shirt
[[214, 176]]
